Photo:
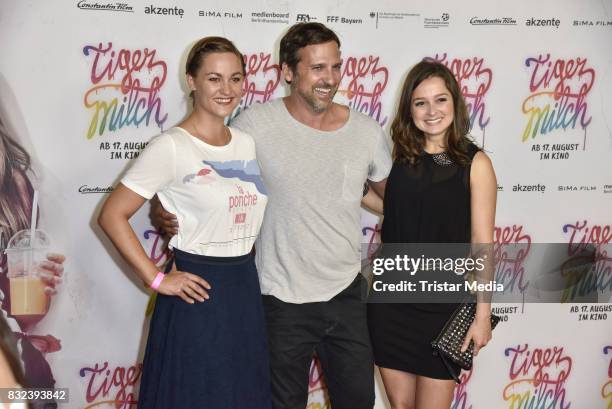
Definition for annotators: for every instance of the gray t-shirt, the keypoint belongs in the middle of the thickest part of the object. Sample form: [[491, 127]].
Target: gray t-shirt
[[308, 248]]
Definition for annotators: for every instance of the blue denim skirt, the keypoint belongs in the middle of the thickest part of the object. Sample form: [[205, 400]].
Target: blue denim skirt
[[211, 354]]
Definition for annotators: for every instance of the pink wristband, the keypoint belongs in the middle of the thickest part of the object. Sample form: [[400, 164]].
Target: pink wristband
[[158, 279]]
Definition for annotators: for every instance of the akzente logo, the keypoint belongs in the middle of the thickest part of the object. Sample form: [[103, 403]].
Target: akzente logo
[[542, 22], [165, 11]]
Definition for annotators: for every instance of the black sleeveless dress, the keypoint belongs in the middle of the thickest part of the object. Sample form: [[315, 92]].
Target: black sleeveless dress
[[428, 202]]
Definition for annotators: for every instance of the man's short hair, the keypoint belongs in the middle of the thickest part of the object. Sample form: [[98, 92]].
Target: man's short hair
[[301, 35]]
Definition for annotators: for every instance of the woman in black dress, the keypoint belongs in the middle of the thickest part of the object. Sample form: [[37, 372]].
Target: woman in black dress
[[441, 189]]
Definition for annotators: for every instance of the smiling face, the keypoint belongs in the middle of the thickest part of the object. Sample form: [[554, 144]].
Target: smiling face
[[432, 108], [217, 85], [316, 78]]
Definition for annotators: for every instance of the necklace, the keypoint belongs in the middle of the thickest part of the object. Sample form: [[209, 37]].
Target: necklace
[[441, 159], [202, 136]]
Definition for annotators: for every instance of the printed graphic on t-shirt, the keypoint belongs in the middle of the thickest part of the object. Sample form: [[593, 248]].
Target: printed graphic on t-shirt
[[247, 171], [242, 200], [203, 177]]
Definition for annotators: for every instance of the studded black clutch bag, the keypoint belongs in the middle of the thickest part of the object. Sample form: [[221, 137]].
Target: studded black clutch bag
[[449, 341]]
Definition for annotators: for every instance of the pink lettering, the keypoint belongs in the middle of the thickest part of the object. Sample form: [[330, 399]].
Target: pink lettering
[[102, 380]]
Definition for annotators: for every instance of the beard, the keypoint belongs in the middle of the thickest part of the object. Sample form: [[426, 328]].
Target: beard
[[311, 99]]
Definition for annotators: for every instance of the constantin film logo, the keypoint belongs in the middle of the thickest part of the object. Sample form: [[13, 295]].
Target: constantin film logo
[[87, 190], [379, 16], [493, 21], [437, 22], [105, 6]]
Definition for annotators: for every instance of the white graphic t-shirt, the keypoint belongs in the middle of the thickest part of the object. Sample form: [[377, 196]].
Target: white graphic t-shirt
[[216, 192]]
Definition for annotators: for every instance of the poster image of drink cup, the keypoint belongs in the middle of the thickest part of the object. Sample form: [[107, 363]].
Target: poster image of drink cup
[[21, 176], [26, 254]]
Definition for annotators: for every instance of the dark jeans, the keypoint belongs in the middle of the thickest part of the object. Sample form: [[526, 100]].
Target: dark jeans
[[337, 331]]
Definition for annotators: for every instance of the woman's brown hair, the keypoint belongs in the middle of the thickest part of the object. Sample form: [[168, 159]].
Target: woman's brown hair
[[408, 140], [15, 188]]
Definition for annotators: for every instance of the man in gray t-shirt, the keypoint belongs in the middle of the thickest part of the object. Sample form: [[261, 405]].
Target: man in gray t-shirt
[[308, 248], [314, 157]]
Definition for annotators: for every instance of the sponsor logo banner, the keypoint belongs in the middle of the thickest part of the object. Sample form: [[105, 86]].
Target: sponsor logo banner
[[270, 17], [164, 11], [493, 21], [437, 22], [380, 16], [105, 6], [542, 22], [224, 14]]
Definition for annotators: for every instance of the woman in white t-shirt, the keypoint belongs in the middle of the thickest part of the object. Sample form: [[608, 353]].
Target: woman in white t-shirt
[[206, 345]]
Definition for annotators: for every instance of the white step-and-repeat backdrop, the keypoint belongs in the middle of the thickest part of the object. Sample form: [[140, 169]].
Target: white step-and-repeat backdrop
[[85, 84]]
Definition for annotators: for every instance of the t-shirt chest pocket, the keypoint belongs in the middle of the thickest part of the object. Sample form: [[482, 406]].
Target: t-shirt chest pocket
[[352, 186]]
